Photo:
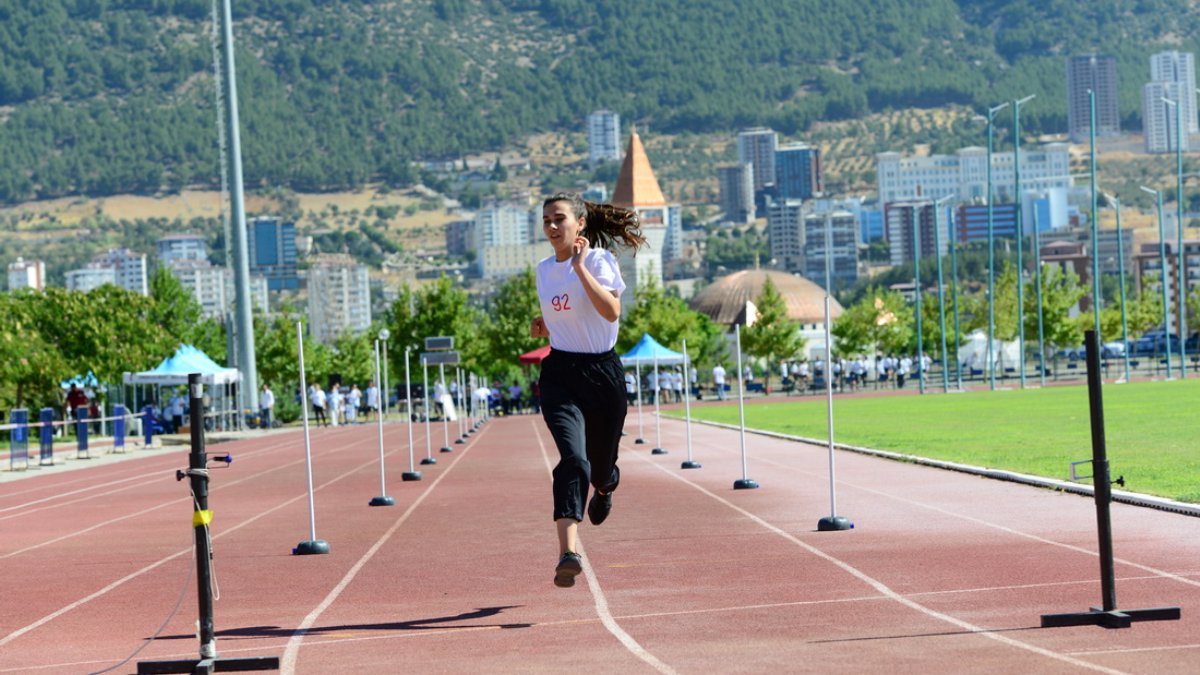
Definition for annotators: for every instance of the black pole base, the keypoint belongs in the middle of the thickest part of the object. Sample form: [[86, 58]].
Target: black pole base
[[658, 451], [689, 464], [313, 547], [1117, 618], [834, 523], [639, 441], [382, 501], [447, 449], [745, 484], [410, 476], [215, 665], [429, 460]]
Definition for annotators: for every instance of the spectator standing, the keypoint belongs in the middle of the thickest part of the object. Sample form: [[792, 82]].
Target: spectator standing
[[372, 401], [718, 373], [266, 407], [353, 401], [318, 403]]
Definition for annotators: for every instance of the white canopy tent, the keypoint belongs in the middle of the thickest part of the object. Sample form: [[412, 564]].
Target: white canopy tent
[[973, 352]]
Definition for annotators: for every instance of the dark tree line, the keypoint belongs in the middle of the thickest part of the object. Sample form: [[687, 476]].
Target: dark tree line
[[118, 96]]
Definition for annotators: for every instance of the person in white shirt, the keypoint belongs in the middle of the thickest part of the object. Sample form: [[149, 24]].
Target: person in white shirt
[[718, 372], [373, 401], [266, 406], [318, 403], [353, 400], [582, 382], [630, 388]]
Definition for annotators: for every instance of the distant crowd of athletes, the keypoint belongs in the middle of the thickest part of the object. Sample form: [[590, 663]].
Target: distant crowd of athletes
[[350, 405]]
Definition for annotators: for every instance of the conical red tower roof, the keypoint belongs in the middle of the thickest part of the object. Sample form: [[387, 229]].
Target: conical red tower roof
[[636, 185]]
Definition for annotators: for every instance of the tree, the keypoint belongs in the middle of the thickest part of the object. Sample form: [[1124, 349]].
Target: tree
[[506, 334], [439, 309], [353, 357], [774, 336], [30, 364], [670, 321], [880, 323], [1060, 293]]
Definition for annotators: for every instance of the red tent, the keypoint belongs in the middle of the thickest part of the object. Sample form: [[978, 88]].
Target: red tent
[[536, 355]]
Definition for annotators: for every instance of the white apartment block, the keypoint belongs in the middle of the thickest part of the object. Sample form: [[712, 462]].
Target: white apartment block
[[339, 297], [963, 175], [27, 274], [212, 286], [604, 137], [1158, 118], [898, 223], [841, 228], [129, 268], [92, 276], [181, 247], [1180, 68], [757, 148], [502, 224], [500, 262]]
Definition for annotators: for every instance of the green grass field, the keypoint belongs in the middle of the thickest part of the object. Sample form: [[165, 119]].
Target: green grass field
[[1152, 428]]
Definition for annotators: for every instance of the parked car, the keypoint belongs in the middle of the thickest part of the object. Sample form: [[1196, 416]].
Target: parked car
[[1155, 342], [1113, 350], [1192, 344]]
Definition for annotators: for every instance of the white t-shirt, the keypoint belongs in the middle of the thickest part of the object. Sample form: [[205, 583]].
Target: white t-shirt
[[570, 316], [718, 375]]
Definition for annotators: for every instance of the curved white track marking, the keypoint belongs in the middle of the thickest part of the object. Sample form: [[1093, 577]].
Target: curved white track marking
[[54, 615], [1003, 528], [880, 586], [601, 602], [292, 651]]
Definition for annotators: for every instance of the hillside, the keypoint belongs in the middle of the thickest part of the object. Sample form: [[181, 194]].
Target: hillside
[[105, 97]]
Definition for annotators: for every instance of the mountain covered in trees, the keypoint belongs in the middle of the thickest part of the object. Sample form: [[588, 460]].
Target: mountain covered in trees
[[101, 97]]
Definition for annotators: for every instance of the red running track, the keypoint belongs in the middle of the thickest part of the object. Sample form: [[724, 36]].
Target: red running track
[[944, 572]]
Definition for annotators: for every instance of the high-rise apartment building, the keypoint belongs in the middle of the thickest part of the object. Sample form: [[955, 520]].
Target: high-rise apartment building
[[797, 172], [899, 218], [604, 137], [1172, 78], [841, 228], [181, 247], [27, 274], [339, 297], [93, 275], [786, 234], [737, 192], [212, 286], [129, 268], [757, 148], [1099, 74], [1179, 67], [272, 245]]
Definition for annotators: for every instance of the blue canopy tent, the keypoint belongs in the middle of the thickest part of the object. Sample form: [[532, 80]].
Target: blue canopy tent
[[174, 371], [649, 351]]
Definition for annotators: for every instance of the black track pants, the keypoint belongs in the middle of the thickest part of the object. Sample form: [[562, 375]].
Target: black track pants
[[583, 403]]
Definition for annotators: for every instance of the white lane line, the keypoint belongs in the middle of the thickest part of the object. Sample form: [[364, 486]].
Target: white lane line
[[1003, 528], [287, 663], [601, 602], [57, 613], [880, 586], [110, 521]]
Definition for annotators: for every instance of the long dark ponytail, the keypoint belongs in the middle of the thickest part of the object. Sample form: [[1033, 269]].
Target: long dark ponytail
[[604, 224]]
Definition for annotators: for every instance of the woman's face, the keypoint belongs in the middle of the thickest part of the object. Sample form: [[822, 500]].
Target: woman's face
[[561, 227]]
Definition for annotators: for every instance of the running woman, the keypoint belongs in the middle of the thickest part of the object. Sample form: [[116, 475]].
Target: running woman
[[582, 381]]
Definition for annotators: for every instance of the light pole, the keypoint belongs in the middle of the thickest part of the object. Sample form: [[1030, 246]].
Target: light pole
[[1037, 289], [384, 334], [1181, 260], [1121, 271], [991, 236], [916, 244], [1162, 277], [1017, 202], [1095, 220], [954, 300], [937, 251]]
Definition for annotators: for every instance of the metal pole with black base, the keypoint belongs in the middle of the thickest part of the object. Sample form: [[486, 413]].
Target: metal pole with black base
[[1106, 615], [197, 472], [383, 499]]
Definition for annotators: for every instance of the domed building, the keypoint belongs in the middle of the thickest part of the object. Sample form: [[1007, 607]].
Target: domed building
[[729, 299]]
